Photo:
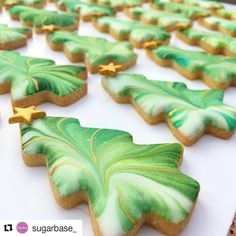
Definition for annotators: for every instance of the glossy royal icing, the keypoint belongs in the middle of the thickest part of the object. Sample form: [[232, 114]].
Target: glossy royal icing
[[107, 165]]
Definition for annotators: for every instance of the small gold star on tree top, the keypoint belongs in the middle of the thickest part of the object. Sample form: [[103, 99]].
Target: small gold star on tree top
[[97, 14], [109, 69], [151, 44], [49, 28], [182, 26], [26, 115]]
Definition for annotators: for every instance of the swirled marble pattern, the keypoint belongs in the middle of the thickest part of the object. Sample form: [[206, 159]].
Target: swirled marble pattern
[[114, 172], [188, 111], [219, 71], [29, 76]]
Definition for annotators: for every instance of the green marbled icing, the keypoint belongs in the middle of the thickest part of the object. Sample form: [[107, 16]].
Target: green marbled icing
[[219, 69], [119, 3], [226, 13], [29, 76], [97, 51], [189, 111], [40, 17], [215, 40], [25, 2], [136, 30], [85, 8], [162, 18], [202, 3], [229, 25], [188, 11], [12, 34], [124, 180]]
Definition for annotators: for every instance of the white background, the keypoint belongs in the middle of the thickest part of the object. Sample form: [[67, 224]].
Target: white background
[[25, 191]]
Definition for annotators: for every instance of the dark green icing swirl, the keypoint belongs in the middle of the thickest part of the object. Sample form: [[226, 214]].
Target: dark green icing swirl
[[107, 165], [40, 17], [12, 34], [162, 18], [136, 30], [229, 25], [29, 76], [221, 70], [97, 51], [214, 40], [119, 3], [208, 4], [189, 111], [85, 8], [226, 13], [188, 11]]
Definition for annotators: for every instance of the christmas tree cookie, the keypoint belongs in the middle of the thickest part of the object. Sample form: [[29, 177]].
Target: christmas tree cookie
[[215, 71], [32, 81], [123, 183], [224, 26], [43, 20], [119, 4], [226, 13], [30, 3], [192, 12], [140, 35], [98, 54], [211, 5], [188, 113], [13, 37], [170, 21], [86, 10], [215, 43]]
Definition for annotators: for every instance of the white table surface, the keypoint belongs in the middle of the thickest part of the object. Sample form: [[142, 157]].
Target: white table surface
[[26, 193]]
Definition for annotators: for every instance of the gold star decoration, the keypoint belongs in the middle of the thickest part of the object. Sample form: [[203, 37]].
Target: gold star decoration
[[26, 115], [49, 28], [109, 69], [130, 5], [181, 26], [97, 14], [151, 44], [203, 14]]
